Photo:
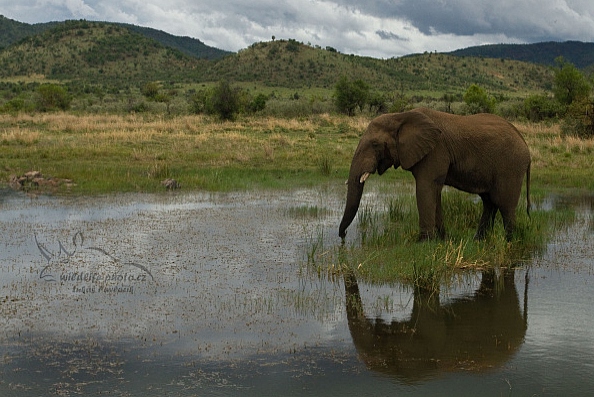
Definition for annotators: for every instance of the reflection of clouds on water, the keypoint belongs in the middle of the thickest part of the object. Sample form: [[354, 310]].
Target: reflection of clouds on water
[[221, 264], [561, 333]]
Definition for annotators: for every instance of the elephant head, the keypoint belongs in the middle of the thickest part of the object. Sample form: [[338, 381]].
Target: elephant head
[[476, 333], [398, 139]]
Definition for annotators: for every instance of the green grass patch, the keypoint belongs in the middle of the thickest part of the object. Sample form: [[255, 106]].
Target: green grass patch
[[388, 250]]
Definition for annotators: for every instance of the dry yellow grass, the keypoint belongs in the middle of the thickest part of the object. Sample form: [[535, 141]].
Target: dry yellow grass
[[98, 146], [132, 147], [549, 148]]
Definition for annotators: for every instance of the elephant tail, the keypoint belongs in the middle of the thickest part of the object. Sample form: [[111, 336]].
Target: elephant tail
[[528, 204]]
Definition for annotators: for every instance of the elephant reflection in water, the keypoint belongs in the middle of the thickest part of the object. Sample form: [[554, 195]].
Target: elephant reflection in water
[[474, 334]]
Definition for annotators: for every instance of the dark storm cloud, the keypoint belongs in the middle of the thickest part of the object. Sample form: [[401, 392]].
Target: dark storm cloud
[[526, 20]]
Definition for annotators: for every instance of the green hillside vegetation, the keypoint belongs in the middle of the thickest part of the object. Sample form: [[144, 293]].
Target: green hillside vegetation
[[12, 31], [578, 53], [94, 52], [109, 54], [103, 67], [187, 45], [295, 65]]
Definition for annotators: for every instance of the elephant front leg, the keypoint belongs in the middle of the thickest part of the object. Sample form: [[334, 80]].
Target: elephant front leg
[[429, 207], [439, 225]]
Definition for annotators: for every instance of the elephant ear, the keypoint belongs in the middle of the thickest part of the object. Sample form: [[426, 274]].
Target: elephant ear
[[417, 136]]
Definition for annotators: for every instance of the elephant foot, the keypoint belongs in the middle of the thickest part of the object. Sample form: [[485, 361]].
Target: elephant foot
[[425, 236], [481, 234]]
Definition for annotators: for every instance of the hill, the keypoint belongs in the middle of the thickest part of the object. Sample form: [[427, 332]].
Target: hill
[[118, 54], [578, 53], [94, 51], [287, 63], [13, 31], [187, 45]]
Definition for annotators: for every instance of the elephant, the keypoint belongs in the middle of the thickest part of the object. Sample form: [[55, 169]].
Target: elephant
[[472, 334], [482, 154]]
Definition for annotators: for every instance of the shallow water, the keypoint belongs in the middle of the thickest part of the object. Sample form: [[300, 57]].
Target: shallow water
[[206, 294]]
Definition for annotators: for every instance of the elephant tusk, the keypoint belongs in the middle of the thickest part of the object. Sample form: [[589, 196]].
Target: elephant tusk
[[364, 177]]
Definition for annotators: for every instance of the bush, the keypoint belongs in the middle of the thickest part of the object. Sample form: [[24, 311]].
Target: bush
[[477, 100], [541, 107], [297, 108], [224, 101], [198, 101], [258, 103], [150, 90], [52, 97], [350, 95], [579, 120], [14, 106]]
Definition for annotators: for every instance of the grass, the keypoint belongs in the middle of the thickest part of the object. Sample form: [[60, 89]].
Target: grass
[[104, 153], [388, 250], [107, 153]]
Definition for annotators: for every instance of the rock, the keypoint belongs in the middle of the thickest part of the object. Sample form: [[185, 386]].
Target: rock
[[171, 184], [35, 180], [31, 175]]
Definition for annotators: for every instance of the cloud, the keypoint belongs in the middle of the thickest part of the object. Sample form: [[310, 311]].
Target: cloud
[[390, 36], [379, 28], [526, 20]]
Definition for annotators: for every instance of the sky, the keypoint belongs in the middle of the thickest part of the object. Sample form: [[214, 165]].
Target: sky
[[376, 28]]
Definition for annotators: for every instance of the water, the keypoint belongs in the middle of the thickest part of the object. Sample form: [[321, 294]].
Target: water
[[205, 294]]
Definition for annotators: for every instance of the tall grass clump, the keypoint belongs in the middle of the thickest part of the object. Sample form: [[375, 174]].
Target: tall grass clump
[[387, 249]]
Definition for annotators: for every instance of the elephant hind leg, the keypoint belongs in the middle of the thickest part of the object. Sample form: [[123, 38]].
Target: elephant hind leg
[[487, 218], [506, 200], [509, 222]]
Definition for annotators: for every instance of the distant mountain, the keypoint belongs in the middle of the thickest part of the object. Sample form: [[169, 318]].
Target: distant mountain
[[96, 52], [578, 53], [187, 45], [13, 31]]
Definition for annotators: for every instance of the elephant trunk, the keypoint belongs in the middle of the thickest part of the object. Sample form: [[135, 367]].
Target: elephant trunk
[[354, 193]]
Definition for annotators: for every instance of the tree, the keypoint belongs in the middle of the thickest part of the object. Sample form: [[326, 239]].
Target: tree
[[477, 100], [570, 84], [350, 95]]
